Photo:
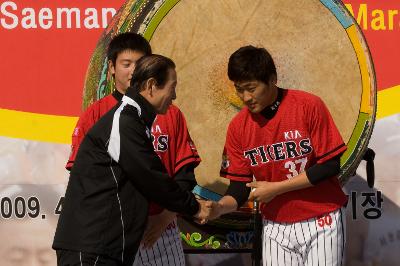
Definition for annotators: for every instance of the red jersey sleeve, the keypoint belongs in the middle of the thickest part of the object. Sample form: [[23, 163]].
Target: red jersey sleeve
[[83, 125], [185, 148], [234, 165], [325, 136], [92, 114]]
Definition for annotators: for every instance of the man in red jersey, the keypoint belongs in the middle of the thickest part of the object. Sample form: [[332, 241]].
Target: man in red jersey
[[161, 241], [123, 52], [286, 139]]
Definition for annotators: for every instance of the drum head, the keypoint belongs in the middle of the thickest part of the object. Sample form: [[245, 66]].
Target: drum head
[[316, 45]]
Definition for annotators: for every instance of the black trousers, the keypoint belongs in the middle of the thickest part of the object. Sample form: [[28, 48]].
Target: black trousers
[[76, 258]]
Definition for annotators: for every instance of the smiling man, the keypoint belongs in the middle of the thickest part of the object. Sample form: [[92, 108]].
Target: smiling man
[[286, 139]]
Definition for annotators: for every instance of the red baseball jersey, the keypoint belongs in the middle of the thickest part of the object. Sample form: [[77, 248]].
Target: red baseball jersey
[[301, 134], [171, 138], [172, 143], [88, 119]]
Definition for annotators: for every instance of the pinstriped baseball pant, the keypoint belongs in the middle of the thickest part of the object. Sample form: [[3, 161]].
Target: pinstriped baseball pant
[[316, 241], [166, 251]]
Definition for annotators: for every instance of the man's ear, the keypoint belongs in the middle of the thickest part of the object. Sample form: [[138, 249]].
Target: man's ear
[[150, 86], [273, 80], [111, 67]]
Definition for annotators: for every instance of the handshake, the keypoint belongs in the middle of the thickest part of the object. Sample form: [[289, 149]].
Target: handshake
[[261, 191], [208, 210]]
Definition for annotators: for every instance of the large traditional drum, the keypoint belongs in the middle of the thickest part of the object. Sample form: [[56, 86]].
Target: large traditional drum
[[317, 47]]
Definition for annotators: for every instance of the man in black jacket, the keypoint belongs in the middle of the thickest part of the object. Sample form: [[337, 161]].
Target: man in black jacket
[[116, 171]]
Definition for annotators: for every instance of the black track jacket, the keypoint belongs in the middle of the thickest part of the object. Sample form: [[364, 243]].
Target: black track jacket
[[116, 171]]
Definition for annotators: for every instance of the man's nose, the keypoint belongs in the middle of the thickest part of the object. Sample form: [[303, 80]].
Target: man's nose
[[246, 96]]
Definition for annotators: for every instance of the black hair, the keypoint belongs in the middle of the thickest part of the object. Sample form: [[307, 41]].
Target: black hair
[[251, 63], [127, 41], [151, 66]]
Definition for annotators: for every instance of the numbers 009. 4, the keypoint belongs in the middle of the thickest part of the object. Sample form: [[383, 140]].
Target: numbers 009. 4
[[19, 207]]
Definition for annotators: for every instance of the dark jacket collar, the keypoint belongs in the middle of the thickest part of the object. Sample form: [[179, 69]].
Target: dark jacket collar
[[148, 113], [117, 95]]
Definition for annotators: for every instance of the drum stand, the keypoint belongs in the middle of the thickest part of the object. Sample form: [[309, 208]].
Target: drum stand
[[256, 254], [369, 156]]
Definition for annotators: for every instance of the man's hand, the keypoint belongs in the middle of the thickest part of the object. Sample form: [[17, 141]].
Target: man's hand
[[156, 225], [216, 210], [263, 191], [204, 211]]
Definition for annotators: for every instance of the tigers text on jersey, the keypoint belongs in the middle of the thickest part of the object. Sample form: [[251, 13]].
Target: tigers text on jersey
[[301, 134], [172, 142]]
